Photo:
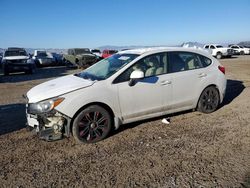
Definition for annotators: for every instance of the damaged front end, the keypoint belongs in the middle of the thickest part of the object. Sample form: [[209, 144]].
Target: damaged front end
[[47, 122]]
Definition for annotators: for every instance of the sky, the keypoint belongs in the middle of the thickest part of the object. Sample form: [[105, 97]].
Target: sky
[[94, 23]]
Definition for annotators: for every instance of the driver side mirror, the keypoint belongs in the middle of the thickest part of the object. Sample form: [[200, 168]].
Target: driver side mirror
[[135, 75]]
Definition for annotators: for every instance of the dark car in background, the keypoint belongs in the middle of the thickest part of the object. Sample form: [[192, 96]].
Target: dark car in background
[[58, 58], [17, 60]]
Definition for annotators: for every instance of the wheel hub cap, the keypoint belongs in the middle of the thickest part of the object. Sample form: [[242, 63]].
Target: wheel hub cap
[[93, 125]]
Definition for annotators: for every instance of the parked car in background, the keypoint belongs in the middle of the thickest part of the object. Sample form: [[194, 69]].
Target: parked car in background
[[82, 57], [97, 52], [129, 86], [17, 60], [1, 57], [42, 58], [239, 50], [108, 53], [58, 58], [219, 51]]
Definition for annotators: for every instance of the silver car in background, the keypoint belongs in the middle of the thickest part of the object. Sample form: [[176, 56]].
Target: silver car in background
[[43, 58]]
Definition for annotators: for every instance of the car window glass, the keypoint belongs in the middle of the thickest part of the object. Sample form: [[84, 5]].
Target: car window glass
[[212, 47], [205, 61], [181, 61], [206, 46], [152, 65]]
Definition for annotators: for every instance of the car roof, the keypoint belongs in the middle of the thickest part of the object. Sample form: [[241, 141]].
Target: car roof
[[142, 51], [213, 44]]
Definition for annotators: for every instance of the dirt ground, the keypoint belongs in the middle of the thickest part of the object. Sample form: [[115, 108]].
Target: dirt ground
[[194, 150]]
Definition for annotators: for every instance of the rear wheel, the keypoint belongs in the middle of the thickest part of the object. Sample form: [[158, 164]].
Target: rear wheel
[[92, 124], [209, 100]]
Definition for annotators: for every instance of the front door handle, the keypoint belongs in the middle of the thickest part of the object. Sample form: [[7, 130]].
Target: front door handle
[[201, 75], [166, 82]]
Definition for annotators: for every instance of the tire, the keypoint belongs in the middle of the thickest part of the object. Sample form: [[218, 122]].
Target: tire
[[91, 125], [219, 55], [242, 53], [209, 100]]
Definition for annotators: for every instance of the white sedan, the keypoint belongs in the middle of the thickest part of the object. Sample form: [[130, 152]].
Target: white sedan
[[129, 86]]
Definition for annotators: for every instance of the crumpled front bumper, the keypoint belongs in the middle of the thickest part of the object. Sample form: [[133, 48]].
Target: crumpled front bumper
[[49, 126]]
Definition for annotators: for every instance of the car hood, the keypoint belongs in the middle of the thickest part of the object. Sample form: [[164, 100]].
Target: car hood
[[15, 57], [86, 55], [57, 87]]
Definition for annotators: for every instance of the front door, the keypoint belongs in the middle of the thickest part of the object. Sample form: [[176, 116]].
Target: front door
[[146, 98]]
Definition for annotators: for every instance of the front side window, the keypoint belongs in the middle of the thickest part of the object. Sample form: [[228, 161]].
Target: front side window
[[181, 61], [107, 67], [212, 47], [151, 65]]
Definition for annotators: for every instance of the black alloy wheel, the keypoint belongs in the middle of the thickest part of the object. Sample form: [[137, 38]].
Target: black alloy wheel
[[91, 125], [209, 100]]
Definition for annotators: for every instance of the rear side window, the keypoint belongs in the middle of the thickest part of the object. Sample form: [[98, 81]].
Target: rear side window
[[205, 61], [183, 61]]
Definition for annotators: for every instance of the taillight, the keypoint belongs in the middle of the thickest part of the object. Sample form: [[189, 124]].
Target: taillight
[[222, 69]]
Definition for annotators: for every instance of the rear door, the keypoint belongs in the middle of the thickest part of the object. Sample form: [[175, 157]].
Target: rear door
[[188, 77]]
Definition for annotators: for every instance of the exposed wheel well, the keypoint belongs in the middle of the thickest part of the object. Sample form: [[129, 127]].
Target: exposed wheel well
[[211, 85], [103, 105]]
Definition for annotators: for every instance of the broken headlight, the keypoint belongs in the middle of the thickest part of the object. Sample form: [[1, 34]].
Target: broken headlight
[[44, 106]]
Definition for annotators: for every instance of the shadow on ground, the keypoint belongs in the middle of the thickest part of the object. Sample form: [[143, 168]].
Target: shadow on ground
[[41, 73], [12, 118], [234, 89]]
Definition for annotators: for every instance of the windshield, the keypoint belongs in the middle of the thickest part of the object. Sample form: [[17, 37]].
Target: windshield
[[95, 51], [82, 51], [41, 54], [9, 53], [107, 67], [219, 46]]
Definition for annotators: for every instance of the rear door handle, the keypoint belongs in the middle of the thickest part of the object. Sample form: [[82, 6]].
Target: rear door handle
[[201, 75], [166, 82]]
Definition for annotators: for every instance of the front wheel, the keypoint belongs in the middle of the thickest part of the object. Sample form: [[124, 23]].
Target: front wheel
[[209, 100], [91, 125]]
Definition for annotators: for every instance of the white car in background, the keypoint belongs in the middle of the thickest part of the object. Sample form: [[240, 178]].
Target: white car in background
[[129, 86], [240, 50], [219, 51]]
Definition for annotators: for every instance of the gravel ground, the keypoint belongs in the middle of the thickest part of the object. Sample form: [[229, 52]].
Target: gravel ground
[[194, 150]]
